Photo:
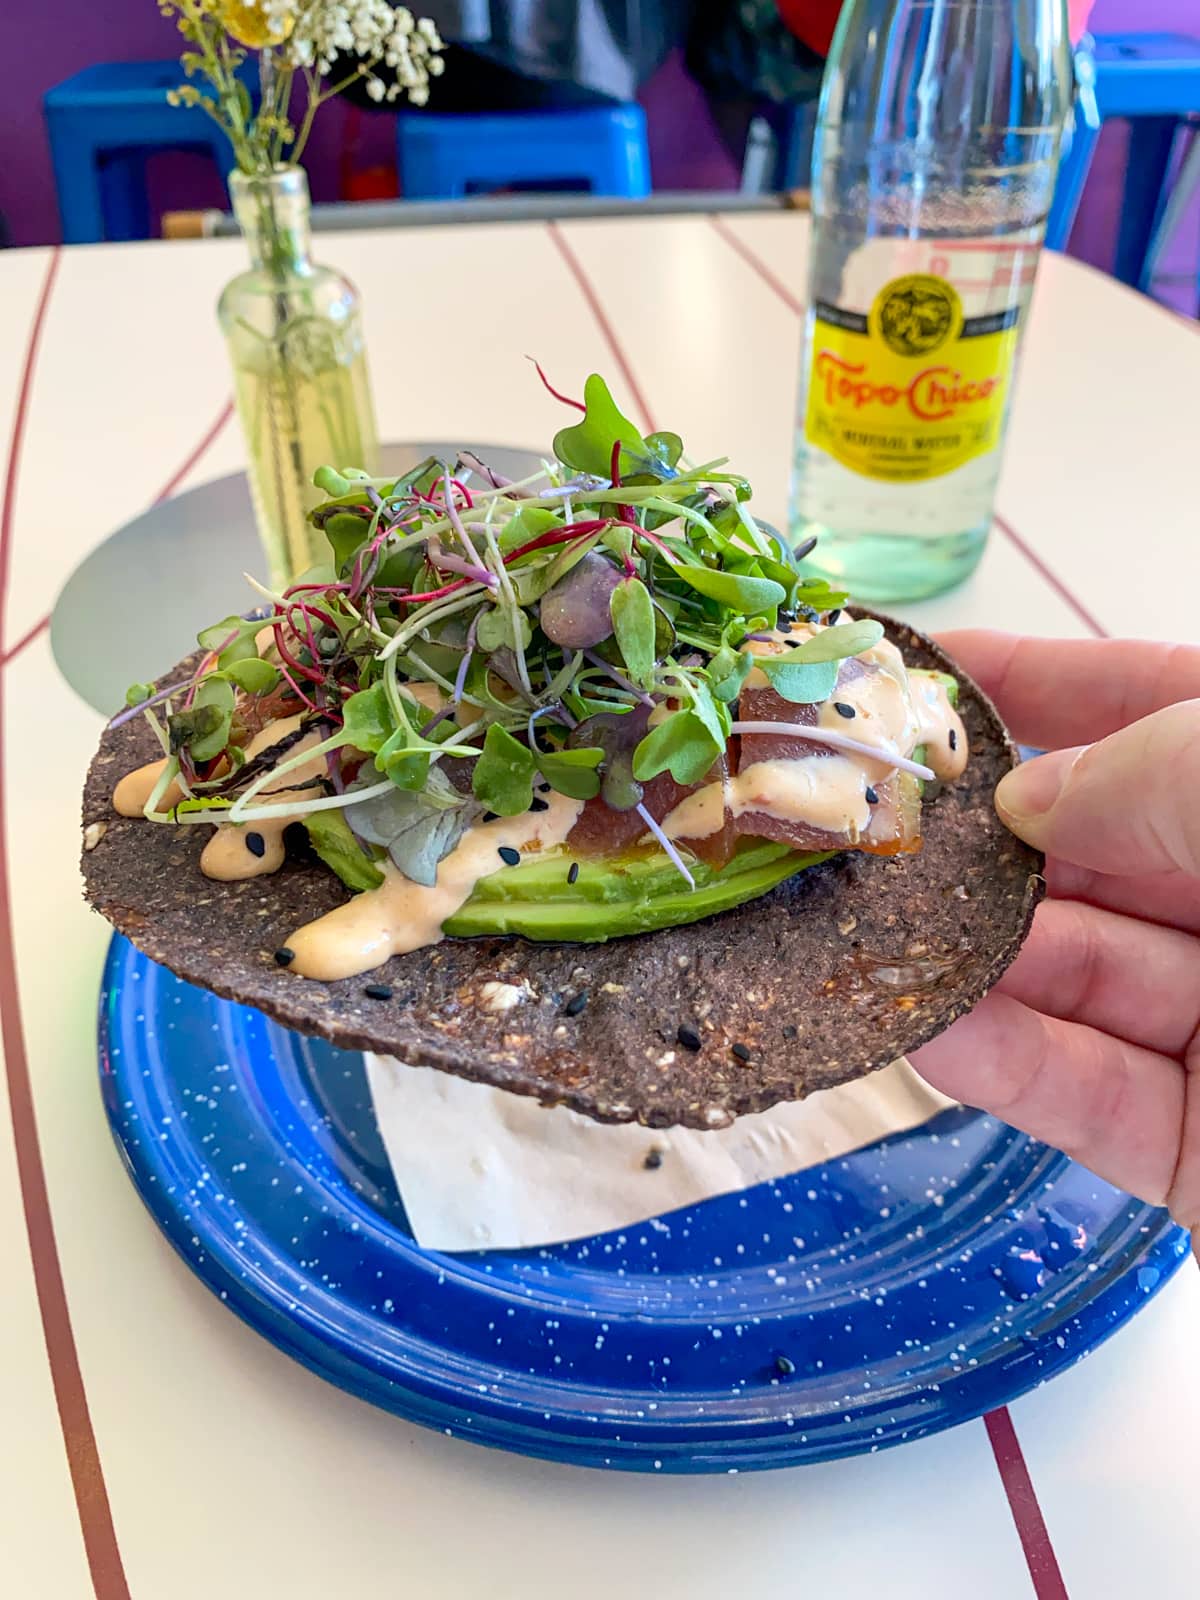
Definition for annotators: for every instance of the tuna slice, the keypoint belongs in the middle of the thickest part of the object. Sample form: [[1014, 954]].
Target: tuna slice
[[601, 831], [895, 825]]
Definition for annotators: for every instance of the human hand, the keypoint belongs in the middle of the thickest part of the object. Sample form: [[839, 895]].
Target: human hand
[[1091, 1040]]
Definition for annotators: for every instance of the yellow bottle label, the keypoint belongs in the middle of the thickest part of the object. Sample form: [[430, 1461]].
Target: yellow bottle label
[[912, 390]]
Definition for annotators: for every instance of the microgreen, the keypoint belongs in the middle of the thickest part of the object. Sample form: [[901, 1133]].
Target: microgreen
[[502, 778], [632, 613], [588, 625]]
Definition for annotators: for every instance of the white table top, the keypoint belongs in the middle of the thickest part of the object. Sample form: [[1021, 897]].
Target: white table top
[[155, 1447]]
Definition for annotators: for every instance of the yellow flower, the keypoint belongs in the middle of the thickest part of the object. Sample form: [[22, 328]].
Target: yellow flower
[[251, 26]]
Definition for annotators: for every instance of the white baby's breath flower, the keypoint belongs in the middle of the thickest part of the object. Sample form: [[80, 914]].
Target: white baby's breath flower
[[394, 53]]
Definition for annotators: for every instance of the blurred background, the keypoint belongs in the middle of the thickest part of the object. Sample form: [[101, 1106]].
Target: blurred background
[[727, 88]]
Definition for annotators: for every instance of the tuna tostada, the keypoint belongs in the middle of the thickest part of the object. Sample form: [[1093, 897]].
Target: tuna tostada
[[600, 702]]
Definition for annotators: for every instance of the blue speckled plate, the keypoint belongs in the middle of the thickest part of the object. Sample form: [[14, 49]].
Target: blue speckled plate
[[871, 1300]]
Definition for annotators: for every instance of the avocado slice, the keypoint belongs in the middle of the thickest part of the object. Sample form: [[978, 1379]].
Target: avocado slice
[[609, 899], [636, 893]]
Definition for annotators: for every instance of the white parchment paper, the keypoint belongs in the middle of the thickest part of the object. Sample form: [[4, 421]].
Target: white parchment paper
[[483, 1169]]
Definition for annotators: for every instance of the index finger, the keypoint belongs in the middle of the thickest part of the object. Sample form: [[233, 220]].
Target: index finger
[[1054, 693]]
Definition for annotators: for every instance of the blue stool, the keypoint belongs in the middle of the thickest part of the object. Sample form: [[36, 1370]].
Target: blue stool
[[103, 123], [452, 156], [1154, 80]]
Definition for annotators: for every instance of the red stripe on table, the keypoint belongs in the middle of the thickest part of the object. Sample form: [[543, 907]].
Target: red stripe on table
[[26, 638], [83, 1457], [757, 265], [575, 267], [1023, 1503], [1051, 577], [1006, 528], [165, 493], [177, 477]]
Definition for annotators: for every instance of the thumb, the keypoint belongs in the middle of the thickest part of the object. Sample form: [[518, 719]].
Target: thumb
[[1128, 805]]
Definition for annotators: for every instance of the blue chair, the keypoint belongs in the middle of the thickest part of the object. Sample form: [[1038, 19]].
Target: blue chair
[[1154, 80], [103, 123], [447, 157]]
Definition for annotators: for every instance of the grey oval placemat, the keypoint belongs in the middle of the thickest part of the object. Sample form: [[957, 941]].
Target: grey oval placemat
[[137, 602]]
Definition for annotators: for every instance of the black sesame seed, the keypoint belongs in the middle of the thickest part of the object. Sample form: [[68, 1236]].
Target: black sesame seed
[[805, 549], [257, 845], [688, 1037], [786, 616], [790, 1030], [544, 788], [842, 709], [653, 1159], [508, 855], [538, 805], [573, 873], [741, 1051], [785, 627], [953, 739], [784, 1366], [378, 991], [576, 1004], [284, 957], [491, 816], [834, 615], [871, 796]]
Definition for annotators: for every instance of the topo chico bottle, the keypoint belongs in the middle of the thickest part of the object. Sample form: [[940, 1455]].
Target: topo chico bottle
[[933, 170]]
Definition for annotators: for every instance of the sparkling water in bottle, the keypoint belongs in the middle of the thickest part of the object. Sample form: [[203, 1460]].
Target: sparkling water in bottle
[[936, 152]]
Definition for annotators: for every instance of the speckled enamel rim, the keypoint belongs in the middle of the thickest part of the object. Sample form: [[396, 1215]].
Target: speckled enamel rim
[[880, 1297]]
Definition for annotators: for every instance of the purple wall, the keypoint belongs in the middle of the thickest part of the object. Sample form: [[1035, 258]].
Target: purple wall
[[47, 44], [56, 39], [59, 38]]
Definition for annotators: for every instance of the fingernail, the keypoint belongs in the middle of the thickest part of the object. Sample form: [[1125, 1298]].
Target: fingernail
[[1031, 789]]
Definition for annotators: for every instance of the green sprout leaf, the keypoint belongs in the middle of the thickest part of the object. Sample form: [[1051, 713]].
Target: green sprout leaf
[[368, 723], [742, 593], [215, 693], [527, 523], [137, 693], [632, 613], [330, 836], [500, 627], [503, 775], [253, 675], [683, 745], [572, 772], [728, 671], [817, 594], [346, 531], [339, 484], [835, 644], [665, 449], [588, 445], [404, 757], [416, 829], [241, 647], [781, 574], [713, 715], [801, 682], [204, 727]]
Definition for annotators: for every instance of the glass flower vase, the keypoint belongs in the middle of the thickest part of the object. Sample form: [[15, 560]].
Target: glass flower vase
[[294, 331]]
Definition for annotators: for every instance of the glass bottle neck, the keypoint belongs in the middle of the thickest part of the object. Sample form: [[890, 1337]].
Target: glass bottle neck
[[273, 214]]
